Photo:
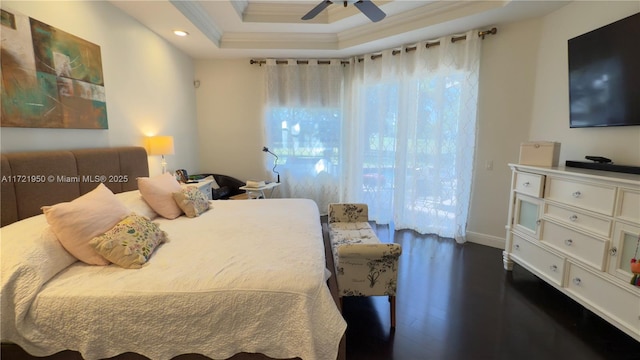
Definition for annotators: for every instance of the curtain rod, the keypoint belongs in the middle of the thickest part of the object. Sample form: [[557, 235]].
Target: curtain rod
[[429, 44]]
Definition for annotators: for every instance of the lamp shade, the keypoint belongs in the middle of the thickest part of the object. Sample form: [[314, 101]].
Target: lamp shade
[[161, 145]]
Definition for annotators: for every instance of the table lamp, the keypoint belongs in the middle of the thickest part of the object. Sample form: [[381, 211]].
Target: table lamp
[[161, 145]]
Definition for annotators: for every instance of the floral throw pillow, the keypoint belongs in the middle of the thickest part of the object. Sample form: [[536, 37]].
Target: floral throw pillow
[[131, 242], [192, 201]]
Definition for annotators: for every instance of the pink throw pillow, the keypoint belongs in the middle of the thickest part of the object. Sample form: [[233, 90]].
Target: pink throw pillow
[[158, 192], [75, 223]]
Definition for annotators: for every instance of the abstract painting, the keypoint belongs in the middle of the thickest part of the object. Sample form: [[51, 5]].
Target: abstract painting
[[50, 78]]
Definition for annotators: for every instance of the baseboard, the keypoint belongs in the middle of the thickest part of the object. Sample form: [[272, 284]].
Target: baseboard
[[484, 239]]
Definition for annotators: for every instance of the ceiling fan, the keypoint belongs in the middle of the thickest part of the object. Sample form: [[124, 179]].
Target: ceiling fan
[[368, 8]]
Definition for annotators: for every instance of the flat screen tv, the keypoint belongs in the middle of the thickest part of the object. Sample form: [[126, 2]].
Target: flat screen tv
[[604, 75]]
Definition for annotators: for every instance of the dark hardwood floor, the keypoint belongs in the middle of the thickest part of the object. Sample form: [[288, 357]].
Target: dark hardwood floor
[[457, 302]]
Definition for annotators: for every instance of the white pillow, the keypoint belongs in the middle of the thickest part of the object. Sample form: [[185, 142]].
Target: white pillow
[[136, 204], [78, 221], [31, 244], [158, 192]]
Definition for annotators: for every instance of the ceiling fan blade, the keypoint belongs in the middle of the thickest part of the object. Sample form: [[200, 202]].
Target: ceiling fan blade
[[317, 10], [370, 10]]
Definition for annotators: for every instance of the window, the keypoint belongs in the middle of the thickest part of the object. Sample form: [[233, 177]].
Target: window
[[307, 142]]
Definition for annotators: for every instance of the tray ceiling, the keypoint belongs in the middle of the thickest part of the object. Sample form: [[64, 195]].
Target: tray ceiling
[[267, 28]]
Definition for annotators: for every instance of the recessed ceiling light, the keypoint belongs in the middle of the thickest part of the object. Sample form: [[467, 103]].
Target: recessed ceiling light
[[180, 32]]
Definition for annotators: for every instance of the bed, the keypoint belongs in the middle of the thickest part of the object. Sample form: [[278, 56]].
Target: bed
[[245, 279]]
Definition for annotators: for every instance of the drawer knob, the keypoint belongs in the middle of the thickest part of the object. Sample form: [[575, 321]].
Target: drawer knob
[[573, 217], [517, 246], [568, 242], [526, 184], [553, 268], [577, 194], [613, 251], [577, 281]]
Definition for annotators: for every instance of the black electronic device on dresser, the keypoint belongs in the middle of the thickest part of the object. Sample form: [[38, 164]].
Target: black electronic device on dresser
[[604, 74], [603, 163]]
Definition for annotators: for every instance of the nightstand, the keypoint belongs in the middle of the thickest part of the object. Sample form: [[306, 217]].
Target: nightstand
[[204, 186]]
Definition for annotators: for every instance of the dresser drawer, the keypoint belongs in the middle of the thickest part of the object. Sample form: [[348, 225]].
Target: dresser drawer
[[574, 217], [548, 264], [526, 217], [594, 197], [586, 248], [530, 184], [628, 205], [620, 303]]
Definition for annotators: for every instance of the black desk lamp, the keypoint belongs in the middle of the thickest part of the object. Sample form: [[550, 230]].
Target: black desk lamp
[[275, 162]]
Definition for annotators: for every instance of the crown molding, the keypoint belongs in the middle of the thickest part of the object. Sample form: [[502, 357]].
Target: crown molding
[[274, 13], [279, 41], [240, 6], [434, 13], [431, 14], [198, 16], [218, 24]]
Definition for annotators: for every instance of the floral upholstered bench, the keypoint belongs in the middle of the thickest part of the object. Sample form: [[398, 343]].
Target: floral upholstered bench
[[364, 266]]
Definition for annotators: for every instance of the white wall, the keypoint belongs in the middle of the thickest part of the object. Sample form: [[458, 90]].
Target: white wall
[[505, 102], [230, 105], [148, 84], [551, 97]]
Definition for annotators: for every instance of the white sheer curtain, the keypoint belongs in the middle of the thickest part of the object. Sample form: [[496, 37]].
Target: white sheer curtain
[[411, 135], [303, 121], [396, 132]]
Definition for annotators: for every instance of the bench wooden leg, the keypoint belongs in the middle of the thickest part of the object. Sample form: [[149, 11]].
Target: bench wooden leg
[[392, 306]]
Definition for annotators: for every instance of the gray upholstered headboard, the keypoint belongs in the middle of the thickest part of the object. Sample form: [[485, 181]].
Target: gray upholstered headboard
[[31, 180]]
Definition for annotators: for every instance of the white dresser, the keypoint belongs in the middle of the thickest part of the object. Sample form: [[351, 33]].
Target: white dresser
[[578, 229]]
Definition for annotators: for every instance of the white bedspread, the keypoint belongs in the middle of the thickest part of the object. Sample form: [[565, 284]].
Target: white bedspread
[[246, 276]]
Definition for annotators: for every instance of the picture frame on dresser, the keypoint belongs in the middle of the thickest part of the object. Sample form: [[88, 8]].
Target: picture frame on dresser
[[576, 229]]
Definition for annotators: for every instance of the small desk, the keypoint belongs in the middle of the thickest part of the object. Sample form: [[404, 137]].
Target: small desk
[[258, 192]]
